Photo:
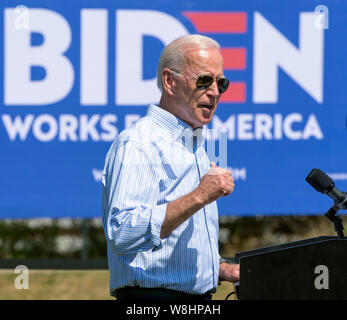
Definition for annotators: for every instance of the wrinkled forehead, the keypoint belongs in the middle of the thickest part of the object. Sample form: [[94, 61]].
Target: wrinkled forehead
[[204, 60]]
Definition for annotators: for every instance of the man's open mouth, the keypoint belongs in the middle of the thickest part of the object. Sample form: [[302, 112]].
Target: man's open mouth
[[207, 106]]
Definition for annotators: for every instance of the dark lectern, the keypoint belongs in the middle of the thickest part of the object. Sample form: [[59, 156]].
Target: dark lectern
[[314, 268]]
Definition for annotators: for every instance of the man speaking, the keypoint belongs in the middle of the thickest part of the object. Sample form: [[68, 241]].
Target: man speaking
[[159, 188]]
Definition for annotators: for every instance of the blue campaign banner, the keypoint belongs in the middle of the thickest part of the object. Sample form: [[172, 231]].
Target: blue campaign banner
[[73, 74]]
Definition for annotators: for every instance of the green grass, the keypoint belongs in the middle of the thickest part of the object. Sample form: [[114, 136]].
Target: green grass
[[70, 285]]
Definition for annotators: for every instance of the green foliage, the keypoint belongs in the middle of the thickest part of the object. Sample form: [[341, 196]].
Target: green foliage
[[247, 233], [20, 240], [79, 238]]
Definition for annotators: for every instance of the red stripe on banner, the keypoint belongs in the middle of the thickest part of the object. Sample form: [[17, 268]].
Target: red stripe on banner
[[218, 22], [234, 58], [235, 93]]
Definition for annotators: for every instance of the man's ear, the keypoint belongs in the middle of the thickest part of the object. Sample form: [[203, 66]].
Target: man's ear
[[169, 82]]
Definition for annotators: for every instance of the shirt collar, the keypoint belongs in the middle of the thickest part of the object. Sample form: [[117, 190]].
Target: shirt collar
[[176, 127]]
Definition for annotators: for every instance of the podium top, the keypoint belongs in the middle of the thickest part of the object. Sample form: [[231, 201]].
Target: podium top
[[284, 246]]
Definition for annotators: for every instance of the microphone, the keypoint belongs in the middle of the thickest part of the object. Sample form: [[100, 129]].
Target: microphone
[[324, 184]]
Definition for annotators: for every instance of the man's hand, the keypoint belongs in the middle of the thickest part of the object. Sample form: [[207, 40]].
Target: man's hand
[[229, 272], [218, 182]]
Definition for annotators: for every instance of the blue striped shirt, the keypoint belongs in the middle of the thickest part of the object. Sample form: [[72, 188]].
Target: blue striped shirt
[[158, 160]]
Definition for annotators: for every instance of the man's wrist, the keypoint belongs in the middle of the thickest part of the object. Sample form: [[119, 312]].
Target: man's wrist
[[221, 275], [221, 260], [200, 197]]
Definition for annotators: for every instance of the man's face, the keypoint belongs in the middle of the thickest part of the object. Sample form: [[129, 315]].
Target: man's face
[[197, 106]]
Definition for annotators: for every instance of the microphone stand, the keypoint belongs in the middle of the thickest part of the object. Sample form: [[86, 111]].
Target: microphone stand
[[331, 215]]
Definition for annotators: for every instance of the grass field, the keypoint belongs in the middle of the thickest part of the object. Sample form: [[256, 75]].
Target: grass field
[[70, 285]]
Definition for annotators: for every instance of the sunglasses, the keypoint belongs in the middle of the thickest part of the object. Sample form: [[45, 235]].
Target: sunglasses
[[205, 81]]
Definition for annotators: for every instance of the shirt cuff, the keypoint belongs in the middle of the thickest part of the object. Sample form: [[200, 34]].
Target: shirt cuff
[[157, 219], [221, 260]]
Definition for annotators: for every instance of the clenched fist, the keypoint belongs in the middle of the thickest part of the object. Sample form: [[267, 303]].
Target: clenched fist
[[218, 182]]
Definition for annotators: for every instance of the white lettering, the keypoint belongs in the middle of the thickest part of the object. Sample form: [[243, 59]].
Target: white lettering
[[221, 158], [312, 129], [94, 57], [97, 127], [267, 127], [97, 174], [272, 50], [131, 25], [244, 126], [287, 126], [322, 17], [228, 125], [88, 127], [263, 126], [20, 56], [143, 310], [52, 125], [338, 176], [321, 281], [216, 309], [22, 281], [239, 173], [68, 127], [17, 127], [22, 17], [278, 126], [106, 124]]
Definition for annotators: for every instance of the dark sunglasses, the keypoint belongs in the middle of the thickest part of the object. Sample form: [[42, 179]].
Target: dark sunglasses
[[205, 81]]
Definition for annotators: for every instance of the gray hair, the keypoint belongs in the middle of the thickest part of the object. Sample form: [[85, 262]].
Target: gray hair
[[173, 56]]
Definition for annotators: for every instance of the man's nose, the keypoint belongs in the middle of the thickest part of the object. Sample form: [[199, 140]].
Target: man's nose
[[213, 90]]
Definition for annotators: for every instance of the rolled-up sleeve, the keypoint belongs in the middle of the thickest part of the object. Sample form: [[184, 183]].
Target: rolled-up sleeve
[[132, 212]]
